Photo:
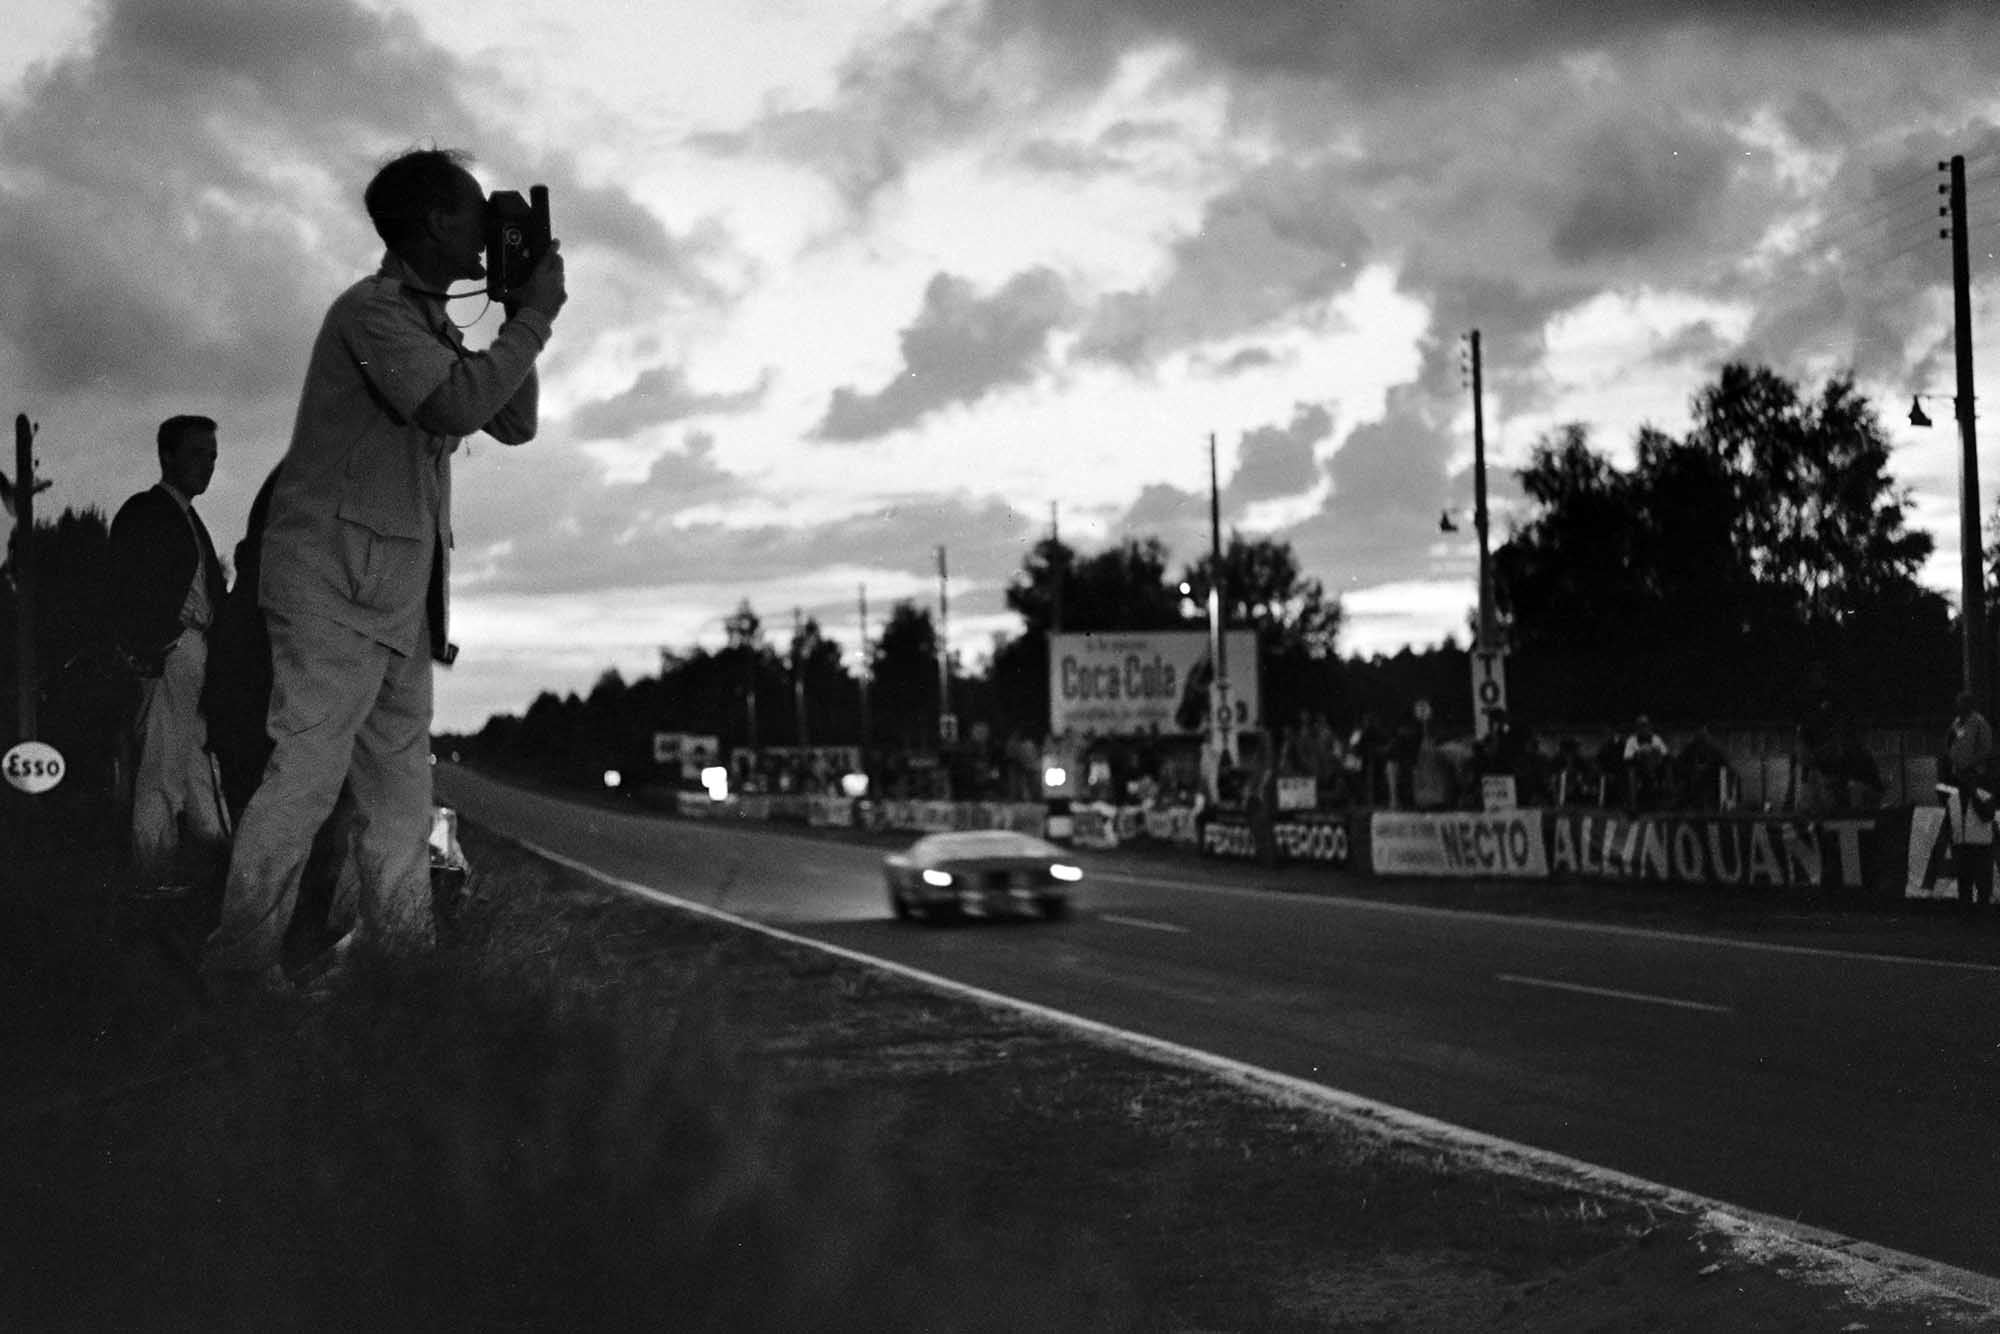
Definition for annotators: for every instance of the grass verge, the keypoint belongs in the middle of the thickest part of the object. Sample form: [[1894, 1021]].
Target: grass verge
[[587, 1112]]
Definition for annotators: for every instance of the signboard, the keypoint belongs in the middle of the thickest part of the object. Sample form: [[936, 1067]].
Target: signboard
[[1459, 843], [1157, 681], [1297, 792], [1489, 689], [1497, 792], [33, 767], [1775, 851], [685, 754], [1306, 839]]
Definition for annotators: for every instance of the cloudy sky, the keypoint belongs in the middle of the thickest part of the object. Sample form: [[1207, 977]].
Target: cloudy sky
[[853, 279]]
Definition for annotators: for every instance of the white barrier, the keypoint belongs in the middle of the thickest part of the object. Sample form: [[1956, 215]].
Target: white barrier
[[1452, 843]]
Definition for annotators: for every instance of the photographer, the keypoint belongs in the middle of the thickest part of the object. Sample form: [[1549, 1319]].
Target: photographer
[[354, 581]]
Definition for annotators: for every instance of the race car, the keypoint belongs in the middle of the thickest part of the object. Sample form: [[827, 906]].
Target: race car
[[984, 872]]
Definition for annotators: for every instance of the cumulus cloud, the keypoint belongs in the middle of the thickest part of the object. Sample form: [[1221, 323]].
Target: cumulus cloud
[[961, 347], [1281, 240], [1277, 461], [1389, 477], [660, 394], [179, 191], [1378, 46]]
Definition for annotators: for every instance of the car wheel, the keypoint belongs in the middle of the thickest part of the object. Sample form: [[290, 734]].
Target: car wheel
[[900, 906], [1054, 907]]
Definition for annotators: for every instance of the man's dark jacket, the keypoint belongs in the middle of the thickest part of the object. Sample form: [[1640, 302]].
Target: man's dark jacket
[[154, 554]]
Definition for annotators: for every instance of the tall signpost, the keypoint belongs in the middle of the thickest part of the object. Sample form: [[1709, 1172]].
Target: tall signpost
[[1220, 709], [947, 720], [1489, 656]]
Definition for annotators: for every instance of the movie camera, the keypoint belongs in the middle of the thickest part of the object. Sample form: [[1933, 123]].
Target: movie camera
[[517, 236]]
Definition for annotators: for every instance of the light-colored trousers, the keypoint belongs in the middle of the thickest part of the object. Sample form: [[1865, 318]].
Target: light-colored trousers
[[344, 708], [175, 794]]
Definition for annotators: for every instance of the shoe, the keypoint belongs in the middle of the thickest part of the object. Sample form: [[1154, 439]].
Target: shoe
[[160, 893]]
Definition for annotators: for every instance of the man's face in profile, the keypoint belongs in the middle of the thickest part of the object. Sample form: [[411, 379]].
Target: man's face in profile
[[460, 231], [190, 464]]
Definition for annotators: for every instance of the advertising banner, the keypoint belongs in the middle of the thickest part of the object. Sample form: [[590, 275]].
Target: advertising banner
[[1147, 682], [1458, 843], [1297, 793], [1228, 836], [1753, 851], [1322, 840], [686, 754], [830, 812], [1930, 872], [1172, 824]]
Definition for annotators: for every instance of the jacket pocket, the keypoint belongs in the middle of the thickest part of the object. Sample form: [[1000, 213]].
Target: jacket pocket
[[382, 572]]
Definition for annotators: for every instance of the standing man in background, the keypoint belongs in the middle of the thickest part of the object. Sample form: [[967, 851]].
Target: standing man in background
[[354, 580], [167, 588]]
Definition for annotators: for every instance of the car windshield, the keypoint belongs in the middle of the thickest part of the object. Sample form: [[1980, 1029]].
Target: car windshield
[[980, 843]]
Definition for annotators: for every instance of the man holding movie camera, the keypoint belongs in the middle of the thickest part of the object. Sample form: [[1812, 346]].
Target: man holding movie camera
[[354, 580]]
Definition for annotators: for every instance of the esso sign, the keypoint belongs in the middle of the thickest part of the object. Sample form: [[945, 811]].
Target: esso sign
[[33, 766]]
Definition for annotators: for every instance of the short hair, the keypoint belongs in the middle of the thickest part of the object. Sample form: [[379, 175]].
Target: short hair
[[408, 188], [174, 430]]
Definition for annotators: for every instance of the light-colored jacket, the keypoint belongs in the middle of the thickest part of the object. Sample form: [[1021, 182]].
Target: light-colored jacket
[[360, 521]]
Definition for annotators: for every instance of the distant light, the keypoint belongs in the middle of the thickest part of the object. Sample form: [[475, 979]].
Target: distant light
[[1064, 872], [1054, 776], [716, 779], [936, 878], [854, 785], [612, 778], [1187, 589]]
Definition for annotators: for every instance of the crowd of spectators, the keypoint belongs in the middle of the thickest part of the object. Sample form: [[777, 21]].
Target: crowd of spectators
[[1375, 762]]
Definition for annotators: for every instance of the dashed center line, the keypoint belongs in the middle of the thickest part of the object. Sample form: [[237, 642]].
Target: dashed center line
[[1144, 924], [1612, 993]]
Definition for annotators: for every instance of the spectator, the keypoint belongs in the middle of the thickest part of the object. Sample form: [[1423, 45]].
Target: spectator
[[168, 588], [1610, 764], [1644, 759], [1968, 748], [1367, 749], [1816, 748], [1858, 778], [1702, 764], [1968, 808], [1575, 780]]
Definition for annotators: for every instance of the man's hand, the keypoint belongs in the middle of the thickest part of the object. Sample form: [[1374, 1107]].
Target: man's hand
[[544, 291]]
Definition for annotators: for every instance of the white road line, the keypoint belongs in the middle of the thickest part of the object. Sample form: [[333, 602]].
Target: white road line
[[1143, 923], [1338, 901], [1611, 992], [1871, 1267]]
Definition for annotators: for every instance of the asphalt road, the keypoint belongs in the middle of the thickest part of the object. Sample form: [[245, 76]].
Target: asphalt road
[[1847, 1091]]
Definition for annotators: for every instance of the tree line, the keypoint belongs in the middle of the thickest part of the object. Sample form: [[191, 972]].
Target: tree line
[[1739, 572]]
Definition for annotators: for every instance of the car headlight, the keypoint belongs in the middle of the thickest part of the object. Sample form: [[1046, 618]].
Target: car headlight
[[941, 879], [1061, 871]]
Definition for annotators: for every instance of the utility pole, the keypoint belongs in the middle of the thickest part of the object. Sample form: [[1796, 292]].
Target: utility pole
[[1488, 637], [1972, 582], [1055, 572], [24, 572], [799, 674], [1220, 709], [867, 671], [946, 729]]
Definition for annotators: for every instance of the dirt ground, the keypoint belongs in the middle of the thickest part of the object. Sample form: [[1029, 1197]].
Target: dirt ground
[[595, 1113]]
